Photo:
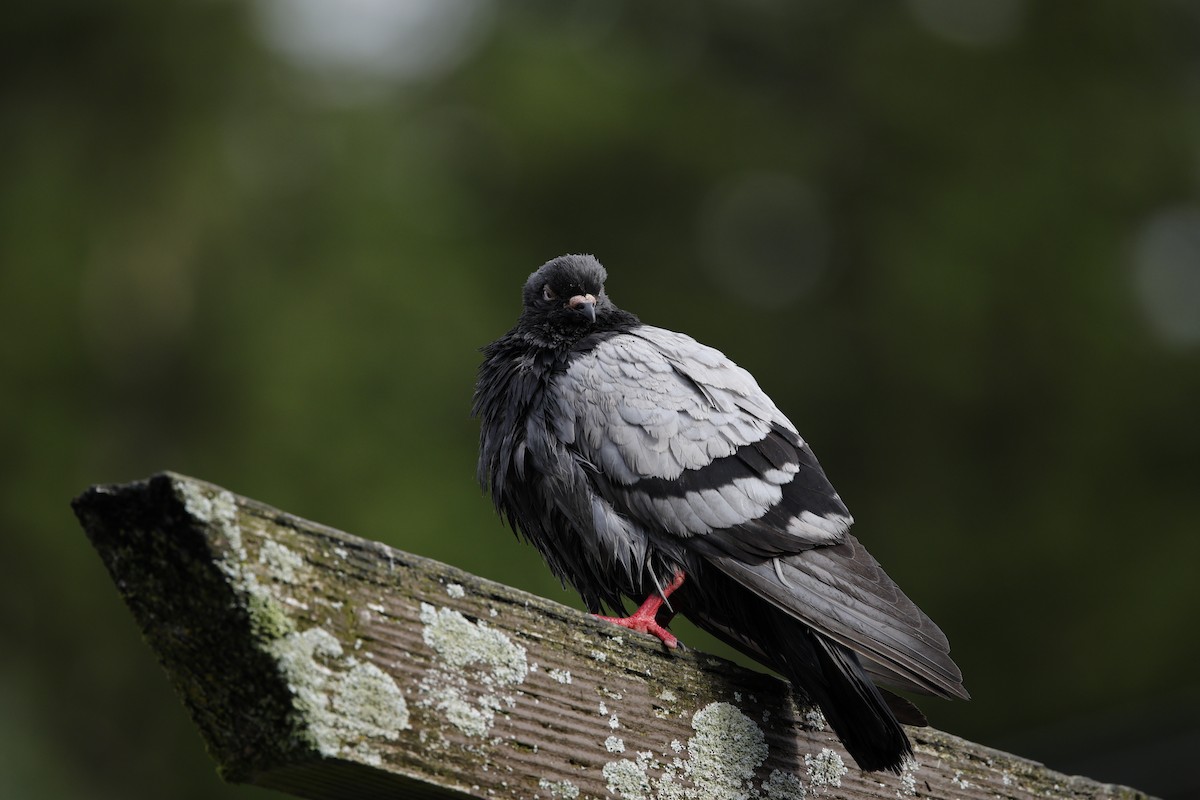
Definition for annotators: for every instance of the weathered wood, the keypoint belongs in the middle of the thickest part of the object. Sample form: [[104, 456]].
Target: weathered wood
[[329, 666]]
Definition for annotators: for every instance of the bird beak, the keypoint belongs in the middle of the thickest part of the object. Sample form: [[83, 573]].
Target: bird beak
[[585, 304]]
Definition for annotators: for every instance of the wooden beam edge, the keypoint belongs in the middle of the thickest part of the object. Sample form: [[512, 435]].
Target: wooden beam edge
[[330, 666]]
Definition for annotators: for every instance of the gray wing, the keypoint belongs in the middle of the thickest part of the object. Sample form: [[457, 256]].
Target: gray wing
[[679, 439], [842, 592], [682, 440]]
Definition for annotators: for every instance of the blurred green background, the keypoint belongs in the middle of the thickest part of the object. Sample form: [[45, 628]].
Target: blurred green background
[[958, 243]]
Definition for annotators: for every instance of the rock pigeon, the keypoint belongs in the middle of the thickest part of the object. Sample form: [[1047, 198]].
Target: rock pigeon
[[645, 465]]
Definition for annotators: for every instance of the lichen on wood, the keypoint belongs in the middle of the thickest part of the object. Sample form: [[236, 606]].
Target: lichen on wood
[[330, 666]]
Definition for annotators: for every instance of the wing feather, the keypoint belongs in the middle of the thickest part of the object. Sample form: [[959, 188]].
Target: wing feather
[[842, 592], [684, 441]]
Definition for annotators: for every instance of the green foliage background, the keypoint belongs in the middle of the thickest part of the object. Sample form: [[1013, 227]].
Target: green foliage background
[[933, 238]]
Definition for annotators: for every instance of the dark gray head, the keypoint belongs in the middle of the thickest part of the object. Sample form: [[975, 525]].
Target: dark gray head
[[565, 300]]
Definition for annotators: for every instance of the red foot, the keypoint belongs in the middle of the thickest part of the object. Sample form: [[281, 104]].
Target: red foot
[[644, 619]]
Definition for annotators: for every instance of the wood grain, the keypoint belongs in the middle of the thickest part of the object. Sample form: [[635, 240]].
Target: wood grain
[[330, 666]]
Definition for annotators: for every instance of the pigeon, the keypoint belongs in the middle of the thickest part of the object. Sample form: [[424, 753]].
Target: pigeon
[[646, 466]]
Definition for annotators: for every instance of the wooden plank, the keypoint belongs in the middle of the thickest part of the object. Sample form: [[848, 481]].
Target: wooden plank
[[329, 666]]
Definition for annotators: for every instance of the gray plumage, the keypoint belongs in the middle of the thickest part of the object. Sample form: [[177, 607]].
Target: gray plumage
[[627, 454]]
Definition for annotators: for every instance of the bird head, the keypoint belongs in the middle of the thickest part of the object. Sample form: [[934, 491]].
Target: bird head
[[565, 300]]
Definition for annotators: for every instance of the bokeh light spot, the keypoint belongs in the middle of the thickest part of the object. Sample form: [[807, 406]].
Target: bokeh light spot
[[1167, 270], [975, 23], [374, 38]]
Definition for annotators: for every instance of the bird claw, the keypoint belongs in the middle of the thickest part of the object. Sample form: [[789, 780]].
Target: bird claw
[[644, 624], [645, 619]]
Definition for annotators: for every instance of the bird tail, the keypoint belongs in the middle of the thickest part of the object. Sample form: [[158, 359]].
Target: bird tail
[[863, 716], [855, 708]]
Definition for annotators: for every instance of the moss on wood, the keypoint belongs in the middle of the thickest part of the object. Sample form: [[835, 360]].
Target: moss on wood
[[330, 666]]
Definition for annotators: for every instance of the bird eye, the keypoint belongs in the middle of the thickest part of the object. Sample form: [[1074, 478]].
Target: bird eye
[[548, 293]]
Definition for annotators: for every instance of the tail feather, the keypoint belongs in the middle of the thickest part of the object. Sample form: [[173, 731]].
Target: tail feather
[[905, 711], [862, 716], [856, 709]]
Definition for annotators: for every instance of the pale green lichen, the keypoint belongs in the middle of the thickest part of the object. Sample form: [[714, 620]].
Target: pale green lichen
[[217, 508], [341, 703], [614, 744], [455, 590], [564, 789], [668, 788], [627, 780], [469, 654], [814, 719], [456, 706], [825, 768], [461, 644], [908, 778], [282, 564], [341, 706], [561, 675], [726, 750], [781, 785], [268, 621], [371, 697], [723, 757]]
